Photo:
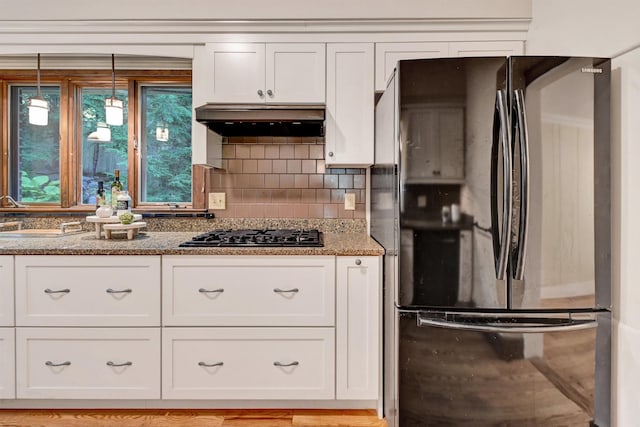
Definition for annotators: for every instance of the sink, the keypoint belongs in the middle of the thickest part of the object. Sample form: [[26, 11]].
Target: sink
[[65, 229]]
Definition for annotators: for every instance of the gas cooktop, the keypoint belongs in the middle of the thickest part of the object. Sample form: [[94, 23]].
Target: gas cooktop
[[257, 238]]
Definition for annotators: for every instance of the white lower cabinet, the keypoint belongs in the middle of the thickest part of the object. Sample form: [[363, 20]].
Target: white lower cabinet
[[7, 363], [88, 363], [6, 290], [248, 363]]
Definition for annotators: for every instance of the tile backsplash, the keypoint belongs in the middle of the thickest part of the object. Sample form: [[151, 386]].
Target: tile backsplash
[[279, 177]]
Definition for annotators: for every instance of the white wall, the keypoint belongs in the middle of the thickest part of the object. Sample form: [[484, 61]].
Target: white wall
[[610, 28]]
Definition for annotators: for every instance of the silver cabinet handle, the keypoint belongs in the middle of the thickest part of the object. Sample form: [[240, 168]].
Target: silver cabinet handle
[[284, 365], [358, 261], [260, 93], [523, 138], [330, 153], [285, 291], [117, 365], [61, 291], [124, 291], [211, 291], [270, 92], [50, 363], [210, 365]]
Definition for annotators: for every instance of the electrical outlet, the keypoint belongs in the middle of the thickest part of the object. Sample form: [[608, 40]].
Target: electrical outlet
[[217, 201], [350, 201], [422, 201]]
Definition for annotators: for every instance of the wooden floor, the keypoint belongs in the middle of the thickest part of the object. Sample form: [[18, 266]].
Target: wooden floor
[[189, 418]]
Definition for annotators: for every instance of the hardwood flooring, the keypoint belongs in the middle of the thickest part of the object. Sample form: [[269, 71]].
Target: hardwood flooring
[[188, 418]]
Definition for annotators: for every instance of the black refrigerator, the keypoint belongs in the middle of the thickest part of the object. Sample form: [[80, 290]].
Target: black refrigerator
[[490, 193]]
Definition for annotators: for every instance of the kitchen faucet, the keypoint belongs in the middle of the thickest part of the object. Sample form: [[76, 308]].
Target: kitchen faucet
[[12, 202]]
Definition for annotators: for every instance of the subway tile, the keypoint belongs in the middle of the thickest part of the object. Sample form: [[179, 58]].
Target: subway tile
[[271, 210], [316, 152], [228, 151], [336, 171], [279, 140], [249, 166], [263, 196], [279, 196], [234, 166], [229, 212], [316, 210], [309, 166], [316, 181], [301, 181], [330, 211], [301, 151], [272, 181], [243, 211], [257, 151], [294, 140], [286, 181], [337, 196], [250, 181], [265, 166], [279, 166], [308, 195], [320, 166], [233, 196], [285, 211], [243, 151], [354, 171], [342, 213], [300, 211], [228, 180], [294, 166], [359, 213], [256, 210], [272, 152], [265, 140], [358, 181], [323, 196], [286, 151], [345, 181], [250, 139], [248, 196], [294, 195], [330, 181]]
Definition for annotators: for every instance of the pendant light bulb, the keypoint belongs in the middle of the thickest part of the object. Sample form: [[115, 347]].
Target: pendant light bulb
[[38, 106], [162, 132], [114, 107]]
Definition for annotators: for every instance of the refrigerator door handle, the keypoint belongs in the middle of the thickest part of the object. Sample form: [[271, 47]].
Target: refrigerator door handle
[[500, 237], [520, 124], [515, 323]]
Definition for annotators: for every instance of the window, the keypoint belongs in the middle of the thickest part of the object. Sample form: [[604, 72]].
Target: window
[[58, 166]]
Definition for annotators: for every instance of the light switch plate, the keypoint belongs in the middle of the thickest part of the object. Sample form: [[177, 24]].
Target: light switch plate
[[217, 201], [350, 201]]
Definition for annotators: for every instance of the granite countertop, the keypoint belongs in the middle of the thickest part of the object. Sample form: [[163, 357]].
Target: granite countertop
[[166, 243]]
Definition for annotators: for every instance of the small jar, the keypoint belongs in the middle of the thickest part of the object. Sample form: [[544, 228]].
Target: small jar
[[123, 203]]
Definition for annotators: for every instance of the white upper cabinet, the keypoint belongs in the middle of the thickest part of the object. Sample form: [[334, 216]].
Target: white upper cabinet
[[350, 108], [388, 54], [283, 73]]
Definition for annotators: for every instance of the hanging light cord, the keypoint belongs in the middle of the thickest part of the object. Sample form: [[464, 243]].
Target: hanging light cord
[[113, 75], [38, 77]]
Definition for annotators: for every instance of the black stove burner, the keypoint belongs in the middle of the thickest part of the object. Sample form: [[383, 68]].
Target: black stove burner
[[257, 238]]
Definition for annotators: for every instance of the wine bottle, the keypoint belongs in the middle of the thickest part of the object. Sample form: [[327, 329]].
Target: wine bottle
[[100, 195], [116, 187]]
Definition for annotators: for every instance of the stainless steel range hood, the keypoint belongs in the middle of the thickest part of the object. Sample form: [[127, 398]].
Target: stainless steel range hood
[[262, 119]]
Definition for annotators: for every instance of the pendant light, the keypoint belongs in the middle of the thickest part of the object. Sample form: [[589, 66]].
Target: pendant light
[[38, 106], [101, 134], [113, 106], [162, 132]]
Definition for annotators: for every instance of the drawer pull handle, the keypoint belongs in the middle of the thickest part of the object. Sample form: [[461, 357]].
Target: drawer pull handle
[[124, 291], [284, 365], [50, 363], [211, 291], [117, 365], [286, 291], [210, 365], [61, 291]]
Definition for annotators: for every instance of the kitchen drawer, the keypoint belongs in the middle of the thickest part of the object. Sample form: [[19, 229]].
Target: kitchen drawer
[[7, 363], [83, 358], [6, 290], [240, 363], [248, 290], [87, 290]]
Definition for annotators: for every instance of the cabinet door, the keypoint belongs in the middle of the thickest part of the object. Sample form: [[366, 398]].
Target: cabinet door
[[101, 290], [6, 290], [350, 109], [486, 48], [295, 73], [388, 54], [237, 72], [248, 363], [358, 327], [88, 363], [7, 363]]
